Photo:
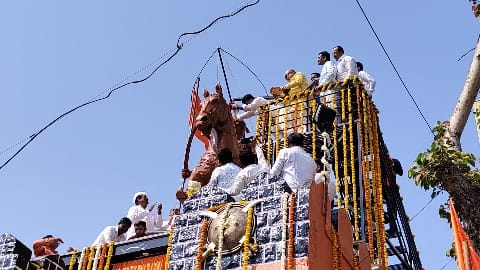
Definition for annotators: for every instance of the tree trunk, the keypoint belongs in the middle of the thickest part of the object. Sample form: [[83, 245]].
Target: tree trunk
[[465, 101]]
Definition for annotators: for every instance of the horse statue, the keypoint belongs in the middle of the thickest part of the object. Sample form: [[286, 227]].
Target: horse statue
[[216, 122]]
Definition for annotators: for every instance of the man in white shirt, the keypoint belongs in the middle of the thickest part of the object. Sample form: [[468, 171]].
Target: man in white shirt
[[223, 175], [346, 65], [140, 212], [251, 106], [114, 233], [249, 171], [295, 165], [327, 75], [367, 80]]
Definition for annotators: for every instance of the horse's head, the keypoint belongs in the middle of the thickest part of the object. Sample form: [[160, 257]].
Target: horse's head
[[214, 112]]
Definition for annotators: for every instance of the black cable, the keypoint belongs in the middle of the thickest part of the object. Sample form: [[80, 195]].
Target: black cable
[[447, 263], [421, 210], [251, 71], [394, 67], [177, 50]]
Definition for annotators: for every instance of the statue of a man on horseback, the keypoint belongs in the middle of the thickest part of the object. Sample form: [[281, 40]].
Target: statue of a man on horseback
[[216, 122]]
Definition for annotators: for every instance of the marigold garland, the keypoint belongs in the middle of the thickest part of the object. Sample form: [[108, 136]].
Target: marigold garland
[[101, 263], [284, 229], [269, 137], [313, 106], [345, 166], [85, 259], [291, 231], [277, 132], [335, 151], [301, 115], [246, 243], [91, 256], [352, 167], [201, 244], [334, 249], [98, 250], [381, 231], [169, 247], [109, 256], [80, 260], [72, 259], [286, 115], [374, 204], [295, 117], [367, 180]]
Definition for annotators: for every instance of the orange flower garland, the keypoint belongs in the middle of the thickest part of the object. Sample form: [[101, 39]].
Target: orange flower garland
[[85, 258], [101, 263], [201, 244], [291, 231]]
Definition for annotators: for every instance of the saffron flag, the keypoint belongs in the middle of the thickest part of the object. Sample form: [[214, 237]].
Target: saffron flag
[[194, 111], [467, 257]]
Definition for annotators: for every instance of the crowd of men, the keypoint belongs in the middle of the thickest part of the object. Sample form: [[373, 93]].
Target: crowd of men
[[293, 164]]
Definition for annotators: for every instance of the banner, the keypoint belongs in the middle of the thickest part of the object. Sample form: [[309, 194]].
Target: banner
[[194, 111], [467, 258], [150, 263]]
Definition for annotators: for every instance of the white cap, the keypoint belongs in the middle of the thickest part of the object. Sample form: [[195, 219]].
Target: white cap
[[138, 194]]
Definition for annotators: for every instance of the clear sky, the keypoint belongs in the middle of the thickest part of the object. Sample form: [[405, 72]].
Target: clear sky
[[81, 173]]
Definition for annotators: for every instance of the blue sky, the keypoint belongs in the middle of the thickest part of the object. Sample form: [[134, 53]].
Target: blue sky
[[80, 174]]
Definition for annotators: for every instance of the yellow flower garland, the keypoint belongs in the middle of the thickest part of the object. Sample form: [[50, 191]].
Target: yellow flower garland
[[246, 243], [90, 257], [291, 231], [373, 171], [109, 256], [301, 112], [352, 167], [169, 248], [285, 125], [382, 251], [98, 250], [335, 249], [337, 168], [269, 137], [72, 260], [313, 106], [370, 207], [277, 132]]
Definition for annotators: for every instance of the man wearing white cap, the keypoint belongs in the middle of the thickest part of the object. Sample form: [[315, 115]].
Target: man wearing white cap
[[140, 212]]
